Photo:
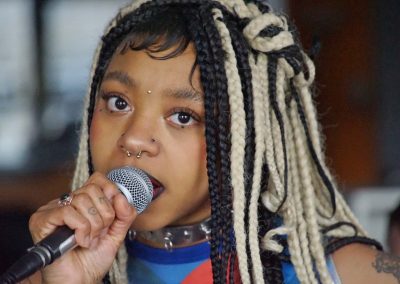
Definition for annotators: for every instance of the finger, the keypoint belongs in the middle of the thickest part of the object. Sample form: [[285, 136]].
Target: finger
[[84, 204], [101, 203], [43, 223], [52, 204], [109, 188], [125, 214]]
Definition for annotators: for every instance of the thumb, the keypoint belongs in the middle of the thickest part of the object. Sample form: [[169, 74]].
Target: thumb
[[125, 214]]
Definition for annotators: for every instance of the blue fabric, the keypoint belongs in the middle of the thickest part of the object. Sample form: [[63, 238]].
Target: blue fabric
[[154, 265], [289, 274], [176, 256]]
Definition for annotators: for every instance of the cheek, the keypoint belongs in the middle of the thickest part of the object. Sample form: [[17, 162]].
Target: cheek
[[99, 142], [203, 161], [203, 151], [95, 131]]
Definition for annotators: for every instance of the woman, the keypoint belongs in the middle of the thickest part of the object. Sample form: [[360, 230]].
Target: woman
[[212, 100]]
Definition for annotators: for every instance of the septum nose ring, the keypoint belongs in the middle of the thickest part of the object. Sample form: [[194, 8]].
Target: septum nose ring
[[138, 155]]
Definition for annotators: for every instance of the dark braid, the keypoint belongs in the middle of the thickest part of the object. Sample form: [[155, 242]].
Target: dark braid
[[336, 244], [205, 59], [225, 228], [272, 267], [272, 68], [232, 266], [262, 6], [325, 230]]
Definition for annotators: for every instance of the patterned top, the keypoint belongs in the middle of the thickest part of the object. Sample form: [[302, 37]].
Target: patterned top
[[188, 265]]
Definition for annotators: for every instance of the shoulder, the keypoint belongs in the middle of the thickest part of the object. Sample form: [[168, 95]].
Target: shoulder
[[359, 263]]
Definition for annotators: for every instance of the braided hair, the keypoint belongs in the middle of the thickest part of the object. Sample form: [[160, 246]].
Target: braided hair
[[269, 184]]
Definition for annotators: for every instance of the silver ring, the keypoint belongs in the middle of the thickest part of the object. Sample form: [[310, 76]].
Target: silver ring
[[65, 200]]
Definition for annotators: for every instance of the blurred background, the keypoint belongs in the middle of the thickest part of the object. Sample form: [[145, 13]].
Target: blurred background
[[45, 55]]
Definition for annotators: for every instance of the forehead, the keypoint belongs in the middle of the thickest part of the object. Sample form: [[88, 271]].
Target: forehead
[[143, 67]]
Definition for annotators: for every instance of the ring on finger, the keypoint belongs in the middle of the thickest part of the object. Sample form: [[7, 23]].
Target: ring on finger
[[65, 199]]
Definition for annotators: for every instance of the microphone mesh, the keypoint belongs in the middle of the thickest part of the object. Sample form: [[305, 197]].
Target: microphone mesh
[[134, 184]]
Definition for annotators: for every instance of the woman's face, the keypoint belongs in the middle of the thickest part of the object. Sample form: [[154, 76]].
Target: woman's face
[[152, 106]]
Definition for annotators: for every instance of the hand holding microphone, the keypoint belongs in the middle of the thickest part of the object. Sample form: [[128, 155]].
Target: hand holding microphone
[[97, 222]]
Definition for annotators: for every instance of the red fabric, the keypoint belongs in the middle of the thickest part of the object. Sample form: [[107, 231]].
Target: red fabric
[[203, 274]]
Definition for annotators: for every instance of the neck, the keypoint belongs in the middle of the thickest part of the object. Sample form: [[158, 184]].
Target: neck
[[174, 237]]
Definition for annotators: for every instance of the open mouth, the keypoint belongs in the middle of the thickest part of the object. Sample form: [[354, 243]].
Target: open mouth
[[158, 188]]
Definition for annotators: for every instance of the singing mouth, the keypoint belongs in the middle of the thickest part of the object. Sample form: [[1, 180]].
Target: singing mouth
[[158, 188]]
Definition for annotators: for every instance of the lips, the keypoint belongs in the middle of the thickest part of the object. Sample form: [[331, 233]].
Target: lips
[[157, 187]]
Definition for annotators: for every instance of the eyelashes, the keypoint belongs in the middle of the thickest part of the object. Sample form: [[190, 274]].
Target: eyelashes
[[183, 117], [115, 103]]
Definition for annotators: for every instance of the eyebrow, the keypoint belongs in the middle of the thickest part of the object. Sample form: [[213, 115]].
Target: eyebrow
[[121, 77], [183, 93], [186, 93]]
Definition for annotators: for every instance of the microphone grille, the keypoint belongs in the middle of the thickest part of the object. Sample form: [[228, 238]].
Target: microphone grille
[[134, 184]]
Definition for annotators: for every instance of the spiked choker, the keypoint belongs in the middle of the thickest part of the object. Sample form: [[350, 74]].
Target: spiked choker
[[171, 237]]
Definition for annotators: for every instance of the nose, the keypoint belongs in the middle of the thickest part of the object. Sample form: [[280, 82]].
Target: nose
[[138, 139]]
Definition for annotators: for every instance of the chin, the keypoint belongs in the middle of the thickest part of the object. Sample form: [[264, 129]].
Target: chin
[[148, 222]]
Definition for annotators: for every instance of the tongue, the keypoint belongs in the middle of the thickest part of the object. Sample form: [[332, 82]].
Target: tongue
[[157, 191]]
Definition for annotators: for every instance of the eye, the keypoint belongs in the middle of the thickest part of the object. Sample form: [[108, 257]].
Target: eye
[[183, 118], [115, 103]]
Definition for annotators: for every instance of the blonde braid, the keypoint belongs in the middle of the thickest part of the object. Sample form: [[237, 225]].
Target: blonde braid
[[258, 93], [81, 173], [303, 86], [280, 99], [118, 274], [278, 146], [309, 207], [271, 198], [283, 68], [238, 130], [302, 245], [297, 238]]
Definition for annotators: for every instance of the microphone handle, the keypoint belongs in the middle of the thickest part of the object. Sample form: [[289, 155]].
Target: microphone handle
[[40, 255]]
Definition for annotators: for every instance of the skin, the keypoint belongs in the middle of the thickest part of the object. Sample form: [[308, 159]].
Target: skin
[[357, 263], [167, 125]]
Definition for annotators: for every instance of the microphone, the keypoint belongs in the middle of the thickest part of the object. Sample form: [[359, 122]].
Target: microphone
[[133, 183]]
